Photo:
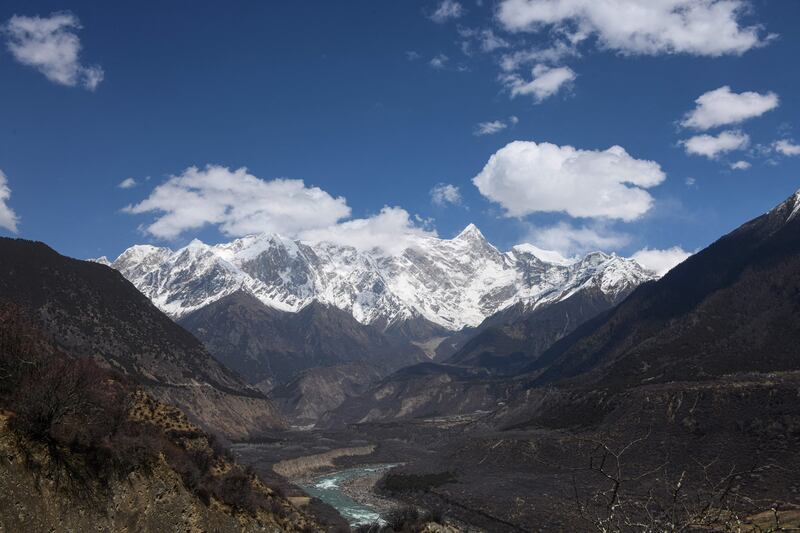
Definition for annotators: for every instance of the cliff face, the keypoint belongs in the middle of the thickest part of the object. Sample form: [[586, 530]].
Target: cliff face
[[146, 501]]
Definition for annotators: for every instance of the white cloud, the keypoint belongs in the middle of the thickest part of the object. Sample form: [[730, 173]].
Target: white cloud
[[786, 147], [690, 182], [660, 261], [390, 231], [51, 46], [447, 10], [238, 203], [412, 55], [553, 54], [546, 82], [570, 240], [8, 218], [438, 61], [487, 40], [445, 193], [700, 27], [711, 146], [525, 177], [740, 165], [490, 128], [721, 107], [127, 183], [495, 126], [490, 41]]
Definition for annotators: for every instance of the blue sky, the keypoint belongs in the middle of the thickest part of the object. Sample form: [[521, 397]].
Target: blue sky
[[348, 97]]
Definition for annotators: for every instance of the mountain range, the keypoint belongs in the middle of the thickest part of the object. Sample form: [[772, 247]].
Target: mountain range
[[451, 283], [729, 308], [271, 307]]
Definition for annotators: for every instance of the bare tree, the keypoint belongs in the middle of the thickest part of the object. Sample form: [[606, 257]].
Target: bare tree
[[705, 497]]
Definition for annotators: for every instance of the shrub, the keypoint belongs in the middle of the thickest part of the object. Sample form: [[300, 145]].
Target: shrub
[[219, 449], [434, 515], [236, 489]]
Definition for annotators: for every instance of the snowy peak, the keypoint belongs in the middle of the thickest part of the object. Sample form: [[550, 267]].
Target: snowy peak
[[788, 209], [470, 233], [614, 274], [250, 247], [470, 239], [453, 283], [545, 256], [794, 206]]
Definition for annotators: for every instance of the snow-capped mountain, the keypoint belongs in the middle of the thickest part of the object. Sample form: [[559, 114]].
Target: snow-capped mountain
[[453, 283]]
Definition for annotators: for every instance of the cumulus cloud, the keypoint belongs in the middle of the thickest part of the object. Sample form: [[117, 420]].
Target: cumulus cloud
[[721, 107], [390, 231], [546, 82], [447, 10], [711, 146], [786, 147], [445, 193], [740, 165], [238, 203], [51, 46], [699, 27], [127, 183], [660, 261], [525, 177], [8, 218], [571, 240]]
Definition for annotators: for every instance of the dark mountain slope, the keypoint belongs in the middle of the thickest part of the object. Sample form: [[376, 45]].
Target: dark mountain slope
[[482, 374], [513, 338], [421, 391], [86, 449], [733, 307], [315, 391], [266, 344], [682, 399], [91, 310]]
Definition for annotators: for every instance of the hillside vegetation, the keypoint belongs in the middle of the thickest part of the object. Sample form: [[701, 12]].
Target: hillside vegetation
[[83, 448]]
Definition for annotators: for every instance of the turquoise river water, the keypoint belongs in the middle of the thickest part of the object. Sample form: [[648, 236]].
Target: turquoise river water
[[327, 488]]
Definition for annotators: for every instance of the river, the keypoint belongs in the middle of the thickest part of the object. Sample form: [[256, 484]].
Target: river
[[329, 488]]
